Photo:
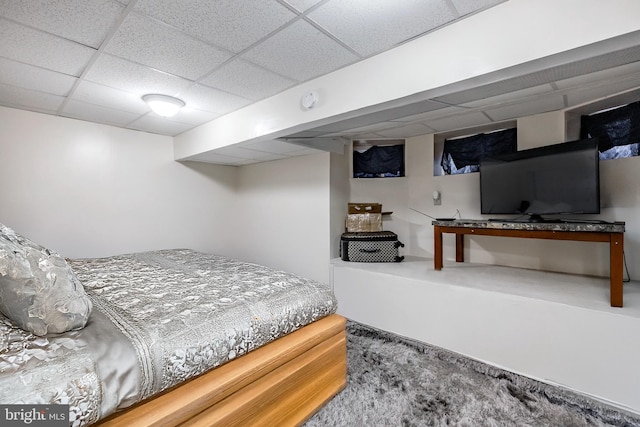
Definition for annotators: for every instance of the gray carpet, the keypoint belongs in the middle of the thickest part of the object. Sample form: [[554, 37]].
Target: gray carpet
[[394, 381]]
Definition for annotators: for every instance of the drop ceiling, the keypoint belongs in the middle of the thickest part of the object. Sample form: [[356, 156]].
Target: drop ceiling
[[93, 60]]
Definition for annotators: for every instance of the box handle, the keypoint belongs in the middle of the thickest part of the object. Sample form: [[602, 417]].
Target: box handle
[[370, 251]]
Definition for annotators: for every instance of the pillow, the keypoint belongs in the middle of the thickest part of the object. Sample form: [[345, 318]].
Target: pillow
[[38, 290]]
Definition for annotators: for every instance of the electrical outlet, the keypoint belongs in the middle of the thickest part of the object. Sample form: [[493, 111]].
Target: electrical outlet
[[437, 198]]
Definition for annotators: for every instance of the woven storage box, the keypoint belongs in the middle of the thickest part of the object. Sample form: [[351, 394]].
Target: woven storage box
[[370, 247]]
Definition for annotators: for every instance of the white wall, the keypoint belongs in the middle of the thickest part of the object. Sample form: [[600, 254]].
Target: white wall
[[620, 201], [339, 196], [92, 190], [89, 190], [281, 215]]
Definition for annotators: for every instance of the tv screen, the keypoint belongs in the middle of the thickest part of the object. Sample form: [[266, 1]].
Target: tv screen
[[557, 179]]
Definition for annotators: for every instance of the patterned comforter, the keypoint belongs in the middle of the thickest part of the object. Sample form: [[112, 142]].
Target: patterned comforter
[[159, 318]]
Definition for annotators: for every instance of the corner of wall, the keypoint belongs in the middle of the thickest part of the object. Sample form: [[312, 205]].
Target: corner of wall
[[339, 197]]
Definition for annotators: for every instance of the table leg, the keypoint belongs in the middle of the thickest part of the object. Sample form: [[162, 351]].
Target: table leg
[[459, 247], [437, 248], [616, 259]]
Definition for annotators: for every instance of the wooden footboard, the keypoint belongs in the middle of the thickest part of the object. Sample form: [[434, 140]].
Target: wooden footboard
[[280, 384]]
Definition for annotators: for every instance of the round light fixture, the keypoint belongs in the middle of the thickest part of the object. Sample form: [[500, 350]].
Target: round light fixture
[[163, 105]]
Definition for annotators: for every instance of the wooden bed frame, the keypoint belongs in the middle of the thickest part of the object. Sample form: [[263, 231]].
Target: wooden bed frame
[[280, 384]]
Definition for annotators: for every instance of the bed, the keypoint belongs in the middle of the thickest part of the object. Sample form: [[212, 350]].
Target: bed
[[170, 337]]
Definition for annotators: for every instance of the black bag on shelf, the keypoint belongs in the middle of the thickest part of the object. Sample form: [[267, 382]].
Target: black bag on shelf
[[378, 246]]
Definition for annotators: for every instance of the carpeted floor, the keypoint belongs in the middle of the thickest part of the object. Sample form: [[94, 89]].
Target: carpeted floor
[[394, 381]]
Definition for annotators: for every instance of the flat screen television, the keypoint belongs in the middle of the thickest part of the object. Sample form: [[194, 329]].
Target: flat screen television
[[557, 179]]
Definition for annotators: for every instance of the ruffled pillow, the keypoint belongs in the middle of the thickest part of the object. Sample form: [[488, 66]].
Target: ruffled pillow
[[38, 290]]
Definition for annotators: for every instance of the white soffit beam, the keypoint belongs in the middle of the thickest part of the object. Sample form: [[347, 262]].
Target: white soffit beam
[[522, 31]]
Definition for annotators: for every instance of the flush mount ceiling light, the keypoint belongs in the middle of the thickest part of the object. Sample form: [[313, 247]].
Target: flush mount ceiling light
[[163, 105]]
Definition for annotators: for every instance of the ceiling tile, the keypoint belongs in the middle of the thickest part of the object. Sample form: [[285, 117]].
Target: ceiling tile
[[128, 76], [247, 80], [458, 121], [371, 128], [96, 113], [465, 7], [249, 162], [382, 24], [317, 132], [506, 85], [529, 108], [159, 125], [12, 96], [332, 145], [34, 78], [414, 108], [213, 100], [154, 44], [589, 93], [430, 114], [610, 74], [109, 97], [300, 52], [508, 97], [363, 121], [366, 136], [236, 24], [413, 129], [87, 21], [44, 50]]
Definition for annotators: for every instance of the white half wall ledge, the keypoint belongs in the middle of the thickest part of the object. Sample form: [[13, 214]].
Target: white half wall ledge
[[551, 327], [526, 36]]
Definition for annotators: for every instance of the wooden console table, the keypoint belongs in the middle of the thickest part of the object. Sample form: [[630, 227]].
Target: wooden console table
[[612, 233]]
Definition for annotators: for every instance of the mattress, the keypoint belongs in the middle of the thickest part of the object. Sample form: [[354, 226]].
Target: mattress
[[159, 318]]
